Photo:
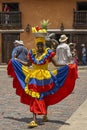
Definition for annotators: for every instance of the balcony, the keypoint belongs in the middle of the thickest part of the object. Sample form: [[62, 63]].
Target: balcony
[[10, 20], [80, 19]]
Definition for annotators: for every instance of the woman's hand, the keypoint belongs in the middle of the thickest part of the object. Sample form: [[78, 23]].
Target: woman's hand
[[23, 62]]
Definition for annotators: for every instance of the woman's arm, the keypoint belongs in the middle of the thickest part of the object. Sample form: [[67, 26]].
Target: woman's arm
[[55, 63], [28, 63]]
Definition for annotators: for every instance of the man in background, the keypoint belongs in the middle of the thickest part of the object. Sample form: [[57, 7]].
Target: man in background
[[63, 53], [83, 54], [19, 51]]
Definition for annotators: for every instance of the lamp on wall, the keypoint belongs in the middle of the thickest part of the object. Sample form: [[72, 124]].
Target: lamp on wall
[[28, 28], [62, 27]]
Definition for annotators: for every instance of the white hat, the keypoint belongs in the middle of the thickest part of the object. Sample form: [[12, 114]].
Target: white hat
[[71, 44], [63, 38], [19, 42], [16, 41], [82, 44]]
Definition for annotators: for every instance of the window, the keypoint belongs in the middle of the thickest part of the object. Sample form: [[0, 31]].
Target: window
[[12, 6], [81, 6]]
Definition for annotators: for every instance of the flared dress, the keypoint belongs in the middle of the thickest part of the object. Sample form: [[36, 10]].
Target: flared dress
[[39, 87]]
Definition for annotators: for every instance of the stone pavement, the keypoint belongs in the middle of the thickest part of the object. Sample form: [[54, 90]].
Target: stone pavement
[[78, 121], [15, 116]]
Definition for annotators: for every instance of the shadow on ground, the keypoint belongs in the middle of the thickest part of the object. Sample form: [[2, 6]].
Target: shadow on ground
[[27, 120]]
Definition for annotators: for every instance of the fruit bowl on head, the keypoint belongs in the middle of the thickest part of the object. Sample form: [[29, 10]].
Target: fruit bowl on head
[[40, 34]]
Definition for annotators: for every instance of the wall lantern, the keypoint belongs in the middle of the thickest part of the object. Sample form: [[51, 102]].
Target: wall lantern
[[62, 27], [28, 27]]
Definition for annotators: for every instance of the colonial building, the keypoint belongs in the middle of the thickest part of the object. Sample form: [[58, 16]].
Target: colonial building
[[66, 16]]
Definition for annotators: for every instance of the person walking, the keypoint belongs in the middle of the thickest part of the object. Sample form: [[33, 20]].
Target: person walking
[[38, 87], [63, 54], [19, 51], [84, 54]]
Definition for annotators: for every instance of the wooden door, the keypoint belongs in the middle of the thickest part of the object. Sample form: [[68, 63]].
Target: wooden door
[[7, 45]]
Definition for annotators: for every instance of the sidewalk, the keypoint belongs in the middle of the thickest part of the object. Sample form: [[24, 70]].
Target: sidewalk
[[78, 121], [82, 67]]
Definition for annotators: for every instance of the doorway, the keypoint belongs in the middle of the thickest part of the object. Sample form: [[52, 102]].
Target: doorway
[[7, 45]]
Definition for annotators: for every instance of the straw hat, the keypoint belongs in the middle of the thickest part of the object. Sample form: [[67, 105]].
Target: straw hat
[[63, 38], [19, 42]]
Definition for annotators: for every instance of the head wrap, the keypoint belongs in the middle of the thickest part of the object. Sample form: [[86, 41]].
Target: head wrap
[[39, 34], [40, 39]]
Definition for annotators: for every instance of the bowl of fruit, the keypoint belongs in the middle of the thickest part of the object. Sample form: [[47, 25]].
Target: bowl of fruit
[[39, 32]]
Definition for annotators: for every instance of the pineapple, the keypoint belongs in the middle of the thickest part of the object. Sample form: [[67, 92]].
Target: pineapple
[[44, 24]]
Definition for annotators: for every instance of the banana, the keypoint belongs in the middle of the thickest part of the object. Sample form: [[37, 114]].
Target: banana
[[34, 29]]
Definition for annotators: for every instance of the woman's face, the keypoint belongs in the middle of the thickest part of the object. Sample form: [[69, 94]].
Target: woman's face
[[40, 47]]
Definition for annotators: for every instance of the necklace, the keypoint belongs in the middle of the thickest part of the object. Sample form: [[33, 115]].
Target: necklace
[[40, 55], [40, 58]]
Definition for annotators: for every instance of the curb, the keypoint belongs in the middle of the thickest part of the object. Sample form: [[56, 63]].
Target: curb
[[82, 67]]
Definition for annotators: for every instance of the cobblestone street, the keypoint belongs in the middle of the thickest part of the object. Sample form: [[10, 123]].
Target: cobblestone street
[[15, 116]]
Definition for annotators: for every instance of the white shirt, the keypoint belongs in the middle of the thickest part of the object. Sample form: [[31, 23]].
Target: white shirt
[[63, 54]]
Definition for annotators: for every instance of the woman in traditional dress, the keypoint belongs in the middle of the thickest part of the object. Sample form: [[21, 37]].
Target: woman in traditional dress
[[37, 86]]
